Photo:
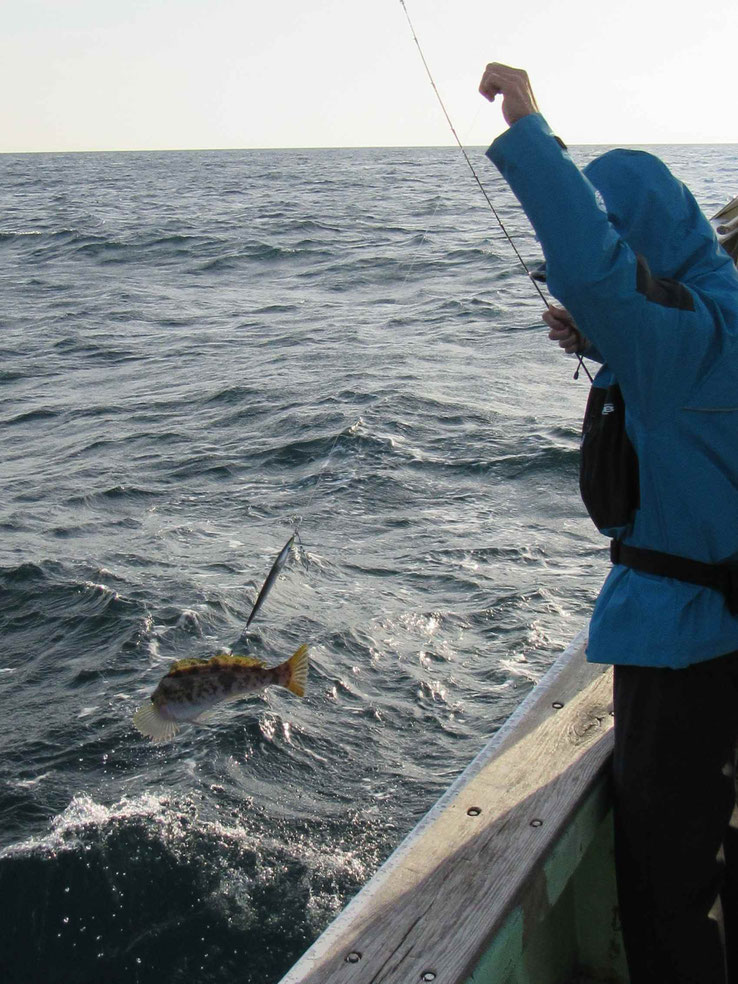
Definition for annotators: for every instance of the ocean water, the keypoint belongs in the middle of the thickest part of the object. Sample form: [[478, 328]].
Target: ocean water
[[198, 352]]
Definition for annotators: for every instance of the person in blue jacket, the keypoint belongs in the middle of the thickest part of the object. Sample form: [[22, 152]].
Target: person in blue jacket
[[641, 276]]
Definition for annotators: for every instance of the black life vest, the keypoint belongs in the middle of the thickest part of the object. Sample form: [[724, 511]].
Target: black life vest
[[608, 465], [610, 488]]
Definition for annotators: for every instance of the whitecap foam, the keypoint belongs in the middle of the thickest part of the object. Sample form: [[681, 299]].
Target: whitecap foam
[[102, 589], [82, 814]]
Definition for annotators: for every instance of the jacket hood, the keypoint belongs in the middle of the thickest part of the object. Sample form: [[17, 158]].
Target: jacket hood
[[659, 218]]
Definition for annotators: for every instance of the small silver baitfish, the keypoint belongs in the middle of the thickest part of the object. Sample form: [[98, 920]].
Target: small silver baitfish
[[192, 687], [271, 578]]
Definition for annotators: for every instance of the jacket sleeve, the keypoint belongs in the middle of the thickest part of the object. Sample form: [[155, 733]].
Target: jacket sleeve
[[597, 277]]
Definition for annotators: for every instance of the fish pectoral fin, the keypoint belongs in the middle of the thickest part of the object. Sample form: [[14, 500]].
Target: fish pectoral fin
[[152, 723]]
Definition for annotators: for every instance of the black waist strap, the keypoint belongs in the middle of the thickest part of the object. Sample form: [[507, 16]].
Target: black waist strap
[[721, 577]]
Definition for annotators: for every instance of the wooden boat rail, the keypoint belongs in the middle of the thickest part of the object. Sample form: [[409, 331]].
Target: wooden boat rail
[[508, 879]]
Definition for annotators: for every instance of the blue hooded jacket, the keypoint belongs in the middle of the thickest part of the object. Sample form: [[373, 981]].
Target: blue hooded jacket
[[666, 326]]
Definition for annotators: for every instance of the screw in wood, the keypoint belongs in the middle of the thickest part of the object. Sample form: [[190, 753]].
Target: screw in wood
[[536, 823], [473, 811], [353, 957], [428, 976], [557, 705]]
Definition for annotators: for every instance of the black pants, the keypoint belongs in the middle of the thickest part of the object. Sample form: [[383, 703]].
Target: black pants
[[676, 852]]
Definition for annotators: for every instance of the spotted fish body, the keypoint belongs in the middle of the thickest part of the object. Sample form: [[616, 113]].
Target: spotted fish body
[[192, 687]]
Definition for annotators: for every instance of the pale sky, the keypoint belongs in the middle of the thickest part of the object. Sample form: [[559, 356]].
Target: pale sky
[[175, 74]]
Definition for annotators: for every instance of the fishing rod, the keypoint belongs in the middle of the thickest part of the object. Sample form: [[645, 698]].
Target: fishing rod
[[479, 183]]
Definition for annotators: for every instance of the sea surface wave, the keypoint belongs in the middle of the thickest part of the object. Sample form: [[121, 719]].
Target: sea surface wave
[[200, 351]]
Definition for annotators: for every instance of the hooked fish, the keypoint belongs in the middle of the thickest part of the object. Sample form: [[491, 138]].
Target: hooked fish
[[271, 578], [192, 687]]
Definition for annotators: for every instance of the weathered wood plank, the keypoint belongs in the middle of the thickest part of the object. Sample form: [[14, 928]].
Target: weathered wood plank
[[433, 908]]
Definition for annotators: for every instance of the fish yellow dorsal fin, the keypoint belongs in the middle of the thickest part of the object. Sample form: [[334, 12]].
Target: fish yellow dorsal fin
[[226, 659], [185, 664], [221, 659]]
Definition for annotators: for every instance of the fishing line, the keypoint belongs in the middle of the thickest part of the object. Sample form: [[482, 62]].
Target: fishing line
[[337, 438], [286, 550], [478, 181]]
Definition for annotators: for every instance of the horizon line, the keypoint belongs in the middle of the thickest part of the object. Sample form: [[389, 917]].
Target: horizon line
[[434, 146]]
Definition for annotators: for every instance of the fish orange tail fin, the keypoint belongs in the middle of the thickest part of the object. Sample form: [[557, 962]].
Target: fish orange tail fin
[[297, 665]]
